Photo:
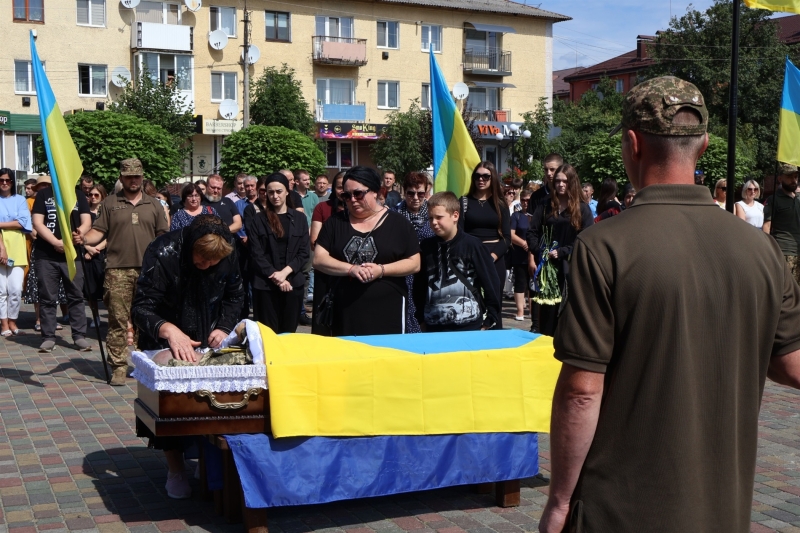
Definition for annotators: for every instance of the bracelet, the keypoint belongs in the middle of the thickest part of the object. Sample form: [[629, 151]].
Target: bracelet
[[383, 271]]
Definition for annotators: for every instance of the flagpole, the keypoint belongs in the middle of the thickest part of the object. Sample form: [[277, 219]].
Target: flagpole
[[733, 109]]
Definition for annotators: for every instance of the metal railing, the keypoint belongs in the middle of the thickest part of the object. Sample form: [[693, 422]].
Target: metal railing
[[347, 51], [488, 61], [489, 115]]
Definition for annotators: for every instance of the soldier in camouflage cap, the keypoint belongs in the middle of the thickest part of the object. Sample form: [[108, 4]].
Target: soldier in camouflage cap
[[786, 168], [782, 217], [131, 167], [651, 106]]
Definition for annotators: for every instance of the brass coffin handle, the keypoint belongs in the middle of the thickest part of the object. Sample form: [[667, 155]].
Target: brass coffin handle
[[227, 406]]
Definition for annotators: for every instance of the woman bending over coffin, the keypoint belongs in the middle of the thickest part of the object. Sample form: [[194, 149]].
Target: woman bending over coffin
[[189, 295]]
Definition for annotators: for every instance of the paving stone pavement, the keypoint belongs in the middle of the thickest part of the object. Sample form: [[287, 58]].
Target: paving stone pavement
[[70, 461]]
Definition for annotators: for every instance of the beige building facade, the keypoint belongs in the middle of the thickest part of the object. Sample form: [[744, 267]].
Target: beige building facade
[[357, 60]]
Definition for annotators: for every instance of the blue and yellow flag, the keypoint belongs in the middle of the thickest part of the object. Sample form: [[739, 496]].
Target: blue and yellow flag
[[792, 6], [454, 153], [789, 130], [62, 156]]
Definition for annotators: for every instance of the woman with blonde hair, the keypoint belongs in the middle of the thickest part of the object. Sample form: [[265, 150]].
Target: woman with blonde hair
[[748, 209]]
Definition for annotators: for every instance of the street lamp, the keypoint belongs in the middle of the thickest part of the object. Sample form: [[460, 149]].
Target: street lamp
[[513, 136]]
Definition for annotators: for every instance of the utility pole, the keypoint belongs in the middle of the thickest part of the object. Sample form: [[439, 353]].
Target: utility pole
[[246, 65]]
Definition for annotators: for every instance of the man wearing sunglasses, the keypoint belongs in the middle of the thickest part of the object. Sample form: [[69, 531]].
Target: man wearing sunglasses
[[782, 217]]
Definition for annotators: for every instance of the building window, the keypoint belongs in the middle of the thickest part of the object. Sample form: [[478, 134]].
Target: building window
[[92, 12], [620, 86], [388, 34], [335, 91], [167, 68], [92, 80], [223, 86], [339, 154], [425, 100], [158, 12], [278, 26], [334, 27], [23, 78], [388, 94], [224, 18], [431, 35], [25, 154], [29, 10]]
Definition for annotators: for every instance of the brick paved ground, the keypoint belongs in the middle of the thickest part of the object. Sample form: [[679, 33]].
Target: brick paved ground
[[69, 460]]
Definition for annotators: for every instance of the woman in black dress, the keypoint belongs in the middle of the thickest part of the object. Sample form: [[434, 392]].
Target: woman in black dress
[[559, 220], [279, 247], [367, 251], [485, 215]]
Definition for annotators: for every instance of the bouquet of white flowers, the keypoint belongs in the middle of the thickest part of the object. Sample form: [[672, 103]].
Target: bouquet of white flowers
[[545, 280]]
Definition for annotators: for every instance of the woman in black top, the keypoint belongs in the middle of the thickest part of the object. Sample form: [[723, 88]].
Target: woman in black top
[[367, 251], [485, 215], [279, 247], [561, 219]]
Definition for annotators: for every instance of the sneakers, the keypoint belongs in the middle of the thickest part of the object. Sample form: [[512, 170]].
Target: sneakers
[[47, 346], [83, 345], [119, 376], [519, 318], [178, 486]]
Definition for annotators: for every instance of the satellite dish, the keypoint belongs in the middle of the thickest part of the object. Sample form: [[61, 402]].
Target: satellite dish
[[217, 39], [460, 91], [120, 76], [228, 109], [193, 5], [252, 55], [130, 4]]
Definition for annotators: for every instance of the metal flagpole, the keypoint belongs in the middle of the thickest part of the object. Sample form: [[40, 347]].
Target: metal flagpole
[[733, 109]]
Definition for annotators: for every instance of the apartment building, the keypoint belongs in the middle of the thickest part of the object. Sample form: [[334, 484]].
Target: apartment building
[[357, 60]]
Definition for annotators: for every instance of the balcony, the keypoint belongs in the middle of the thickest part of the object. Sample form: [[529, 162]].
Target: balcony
[[492, 62], [489, 115], [167, 37], [342, 112], [344, 51]]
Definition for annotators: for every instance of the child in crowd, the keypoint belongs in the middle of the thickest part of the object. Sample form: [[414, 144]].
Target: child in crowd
[[455, 286]]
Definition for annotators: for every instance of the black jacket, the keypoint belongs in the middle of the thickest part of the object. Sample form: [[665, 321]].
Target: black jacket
[[264, 250]]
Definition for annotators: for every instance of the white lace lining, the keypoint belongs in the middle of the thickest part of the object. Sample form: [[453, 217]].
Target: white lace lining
[[225, 378]]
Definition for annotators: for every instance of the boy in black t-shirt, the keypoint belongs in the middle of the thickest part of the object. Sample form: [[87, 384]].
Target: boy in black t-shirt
[[455, 285]]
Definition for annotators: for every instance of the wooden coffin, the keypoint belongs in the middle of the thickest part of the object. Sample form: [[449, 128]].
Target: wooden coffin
[[171, 414]]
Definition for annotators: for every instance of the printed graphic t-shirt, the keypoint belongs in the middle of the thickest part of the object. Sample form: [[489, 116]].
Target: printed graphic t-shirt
[[45, 205]]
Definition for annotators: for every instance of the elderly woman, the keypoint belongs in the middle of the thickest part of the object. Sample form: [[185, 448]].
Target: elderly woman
[[188, 296], [15, 223], [368, 251], [748, 209], [192, 200]]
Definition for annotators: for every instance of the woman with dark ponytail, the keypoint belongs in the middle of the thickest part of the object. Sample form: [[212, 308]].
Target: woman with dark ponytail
[[279, 247]]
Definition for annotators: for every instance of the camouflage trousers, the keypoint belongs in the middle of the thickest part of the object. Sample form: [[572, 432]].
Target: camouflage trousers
[[794, 266], [118, 290]]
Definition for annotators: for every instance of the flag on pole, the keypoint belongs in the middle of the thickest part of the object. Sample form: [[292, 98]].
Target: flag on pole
[[454, 153], [62, 156], [789, 129], [792, 6]]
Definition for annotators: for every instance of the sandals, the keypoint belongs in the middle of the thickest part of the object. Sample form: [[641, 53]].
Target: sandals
[[6, 333], [59, 326], [37, 327], [16, 332]]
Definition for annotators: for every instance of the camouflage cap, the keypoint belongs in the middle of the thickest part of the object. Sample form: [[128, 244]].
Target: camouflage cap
[[650, 107], [786, 168], [131, 167]]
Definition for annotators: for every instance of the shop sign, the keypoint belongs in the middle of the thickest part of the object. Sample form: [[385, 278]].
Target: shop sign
[[5, 118], [197, 124], [488, 130], [221, 127], [355, 130]]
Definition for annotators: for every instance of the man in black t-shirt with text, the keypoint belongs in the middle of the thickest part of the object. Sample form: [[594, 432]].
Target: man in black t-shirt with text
[[222, 204]]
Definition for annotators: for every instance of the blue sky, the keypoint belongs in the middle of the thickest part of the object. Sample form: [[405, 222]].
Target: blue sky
[[600, 30]]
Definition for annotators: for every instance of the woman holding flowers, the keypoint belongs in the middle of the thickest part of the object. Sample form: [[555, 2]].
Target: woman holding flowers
[[554, 227]]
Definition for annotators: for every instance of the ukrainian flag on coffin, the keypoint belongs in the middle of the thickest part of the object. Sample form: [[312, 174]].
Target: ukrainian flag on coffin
[[789, 130], [423, 384]]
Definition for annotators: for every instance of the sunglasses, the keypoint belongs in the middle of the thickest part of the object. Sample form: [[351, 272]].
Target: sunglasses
[[510, 193], [722, 188], [95, 195], [357, 195], [418, 194], [752, 189], [5, 180], [481, 176]]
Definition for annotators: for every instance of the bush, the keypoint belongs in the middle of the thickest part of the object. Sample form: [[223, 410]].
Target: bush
[[262, 150], [104, 138], [277, 100], [601, 158]]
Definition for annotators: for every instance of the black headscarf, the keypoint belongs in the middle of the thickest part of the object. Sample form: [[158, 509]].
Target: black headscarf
[[366, 176]]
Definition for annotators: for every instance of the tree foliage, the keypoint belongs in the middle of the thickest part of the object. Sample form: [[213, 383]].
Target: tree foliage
[[528, 154], [407, 145], [262, 150], [276, 99], [697, 48], [103, 139], [601, 158], [714, 162]]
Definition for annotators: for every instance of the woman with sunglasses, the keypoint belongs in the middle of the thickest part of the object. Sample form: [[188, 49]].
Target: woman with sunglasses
[[15, 223], [279, 247], [721, 192], [367, 251], [485, 215], [558, 221], [95, 256], [748, 209]]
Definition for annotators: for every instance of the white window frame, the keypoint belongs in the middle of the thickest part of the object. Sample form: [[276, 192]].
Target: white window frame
[[222, 86], [426, 91], [218, 16], [164, 11], [91, 23], [91, 71], [273, 13], [353, 152], [32, 154], [327, 32], [424, 45], [31, 85], [328, 90], [387, 23], [141, 64], [387, 84]]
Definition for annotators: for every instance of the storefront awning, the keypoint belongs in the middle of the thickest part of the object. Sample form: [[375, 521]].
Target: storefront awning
[[491, 27], [491, 84]]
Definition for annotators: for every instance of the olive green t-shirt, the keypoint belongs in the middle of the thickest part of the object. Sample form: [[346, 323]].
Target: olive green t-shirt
[[681, 305], [783, 212]]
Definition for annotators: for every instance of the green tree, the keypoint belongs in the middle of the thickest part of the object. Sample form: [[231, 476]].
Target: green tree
[[103, 139], [406, 146], [601, 158], [529, 153], [276, 99], [262, 150], [714, 162], [697, 48]]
